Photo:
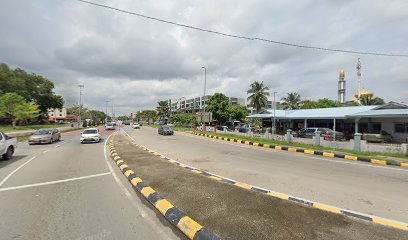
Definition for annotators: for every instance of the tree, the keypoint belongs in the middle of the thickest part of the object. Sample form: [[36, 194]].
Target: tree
[[258, 97], [218, 105], [320, 103], [368, 100], [147, 115], [237, 112], [184, 120], [123, 118], [292, 101], [31, 86], [163, 110], [16, 108], [27, 111]]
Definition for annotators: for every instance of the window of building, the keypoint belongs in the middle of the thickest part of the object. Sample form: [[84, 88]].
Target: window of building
[[52, 114], [60, 115], [401, 128]]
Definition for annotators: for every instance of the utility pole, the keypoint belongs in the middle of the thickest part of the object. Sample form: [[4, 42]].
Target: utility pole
[[205, 86], [106, 110], [80, 103], [274, 116]]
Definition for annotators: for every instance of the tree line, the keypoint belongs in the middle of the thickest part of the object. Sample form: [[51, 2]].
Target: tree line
[[25, 97]]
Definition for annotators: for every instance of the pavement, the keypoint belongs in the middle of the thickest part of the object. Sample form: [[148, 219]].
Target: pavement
[[376, 190], [68, 190], [235, 213]]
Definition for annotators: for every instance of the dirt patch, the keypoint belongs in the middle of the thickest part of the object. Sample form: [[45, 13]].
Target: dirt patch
[[235, 213]]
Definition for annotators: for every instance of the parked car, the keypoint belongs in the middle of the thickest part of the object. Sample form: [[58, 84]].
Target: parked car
[[311, 132], [90, 135], [382, 137], [136, 126], [109, 126], [165, 130], [45, 136], [7, 146], [126, 123]]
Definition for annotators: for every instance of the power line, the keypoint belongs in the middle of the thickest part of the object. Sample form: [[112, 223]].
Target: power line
[[245, 37]]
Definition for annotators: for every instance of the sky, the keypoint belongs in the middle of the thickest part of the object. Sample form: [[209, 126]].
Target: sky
[[134, 62]]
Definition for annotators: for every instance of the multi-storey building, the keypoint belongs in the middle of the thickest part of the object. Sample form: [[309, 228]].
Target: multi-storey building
[[197, 104]]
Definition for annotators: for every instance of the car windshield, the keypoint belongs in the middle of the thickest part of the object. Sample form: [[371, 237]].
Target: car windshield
[[90, 131], [166, 128], [109, 124], [43, 132]]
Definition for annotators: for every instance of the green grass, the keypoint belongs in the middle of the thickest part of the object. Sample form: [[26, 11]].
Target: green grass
[[29, 127], [376, 155]]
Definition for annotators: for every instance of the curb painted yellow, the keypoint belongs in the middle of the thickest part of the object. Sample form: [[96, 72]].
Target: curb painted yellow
[[188, 226], [256, 144], [215, 178], [404, 165], [243, 185], [123, 166], [326, 154], [266, 146], [326, 208], [311, 152], [390, 224], [128, 172], [278, 148], [291, 149], [196, 171], [380, 162], [352, 158], [119, 162], [163, 205], [146, 191], [135, 181], [278, 195]]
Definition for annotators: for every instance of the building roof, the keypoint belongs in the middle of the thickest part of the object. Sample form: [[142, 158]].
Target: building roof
[[387, 110]]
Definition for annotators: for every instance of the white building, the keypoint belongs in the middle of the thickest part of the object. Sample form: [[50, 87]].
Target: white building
[[56, 114]]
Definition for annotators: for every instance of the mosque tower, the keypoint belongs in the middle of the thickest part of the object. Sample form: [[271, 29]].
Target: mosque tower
[[342, 88]]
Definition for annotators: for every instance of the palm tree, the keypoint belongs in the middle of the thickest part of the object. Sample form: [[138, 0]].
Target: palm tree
[[258, 97], [368, 100], [292, 101]]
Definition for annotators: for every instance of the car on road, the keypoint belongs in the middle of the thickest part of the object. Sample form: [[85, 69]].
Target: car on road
[[7, 146], [110, 126], [90, 135], [381, 137], [136, 125], [45, 136], [126, 123], [165, 130]]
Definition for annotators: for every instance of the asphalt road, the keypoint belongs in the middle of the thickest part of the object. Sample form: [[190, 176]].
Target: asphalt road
[[67, 190], [377, 190]]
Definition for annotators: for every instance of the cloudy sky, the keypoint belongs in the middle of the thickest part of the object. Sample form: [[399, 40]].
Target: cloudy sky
[[135, 62]]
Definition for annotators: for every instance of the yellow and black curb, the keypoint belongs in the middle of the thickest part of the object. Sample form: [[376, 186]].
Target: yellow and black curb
[[308, 203], [307, 151], [192, 229]]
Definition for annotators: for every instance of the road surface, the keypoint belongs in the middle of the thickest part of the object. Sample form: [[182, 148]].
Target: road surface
[[377, 190], [67, 190]]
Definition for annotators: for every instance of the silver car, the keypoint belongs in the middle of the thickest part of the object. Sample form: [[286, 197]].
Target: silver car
[[45, 136]]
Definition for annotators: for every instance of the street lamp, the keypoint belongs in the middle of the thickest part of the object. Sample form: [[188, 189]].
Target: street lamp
[[205, 86], [106, 118], [274, 116], [80, 103]]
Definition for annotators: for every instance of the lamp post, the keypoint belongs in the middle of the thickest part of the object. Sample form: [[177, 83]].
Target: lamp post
[[80, 103], [106, 110], [205, 86], [274, 116]]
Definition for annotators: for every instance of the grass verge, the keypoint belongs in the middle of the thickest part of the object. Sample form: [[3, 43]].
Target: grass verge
[[7, 129], [390, 157]]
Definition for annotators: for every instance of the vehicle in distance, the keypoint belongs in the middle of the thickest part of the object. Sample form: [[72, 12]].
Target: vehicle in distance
[[90, 135], [136, 125], [311, 132], [165, 130], [126, 123], [45, 136], [7, 146], [382, 137], [109, 126]]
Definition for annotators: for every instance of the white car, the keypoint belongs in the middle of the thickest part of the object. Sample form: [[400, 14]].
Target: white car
[[109, 126], [136, 125], [7, 146], [91, 135]]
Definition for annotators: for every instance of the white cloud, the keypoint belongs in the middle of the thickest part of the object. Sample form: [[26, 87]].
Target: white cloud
[[135, 62]]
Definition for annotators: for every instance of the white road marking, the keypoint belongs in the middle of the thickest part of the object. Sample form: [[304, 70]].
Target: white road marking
[[57, 146], [46, 151], [53, 182], [15, 170], [131, 197]]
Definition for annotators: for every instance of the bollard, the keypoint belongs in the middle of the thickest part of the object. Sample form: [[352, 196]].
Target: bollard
[[288, 136], [357, 141], [225, 129], [317, 138]]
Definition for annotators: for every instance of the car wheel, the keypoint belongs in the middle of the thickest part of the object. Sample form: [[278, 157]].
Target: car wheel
[[9, 153]]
